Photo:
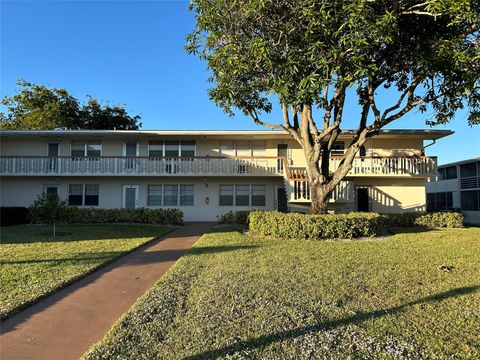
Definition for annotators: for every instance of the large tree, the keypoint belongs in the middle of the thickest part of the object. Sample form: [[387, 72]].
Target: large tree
[[309, 53], [38, 107]]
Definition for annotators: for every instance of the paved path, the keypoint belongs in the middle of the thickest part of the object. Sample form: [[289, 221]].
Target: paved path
[[65, 324]]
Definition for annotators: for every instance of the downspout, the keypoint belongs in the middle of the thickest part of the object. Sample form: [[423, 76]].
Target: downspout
[[424, 147]]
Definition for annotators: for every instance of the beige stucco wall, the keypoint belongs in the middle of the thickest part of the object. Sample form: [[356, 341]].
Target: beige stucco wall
[[204, 146], [22, 192]]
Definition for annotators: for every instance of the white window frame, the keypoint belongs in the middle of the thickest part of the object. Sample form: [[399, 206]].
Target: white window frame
[[85, 147], [84, 193]]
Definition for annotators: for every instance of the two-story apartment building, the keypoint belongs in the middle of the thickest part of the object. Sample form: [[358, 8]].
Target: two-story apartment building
[[456, 186], [208, 173]]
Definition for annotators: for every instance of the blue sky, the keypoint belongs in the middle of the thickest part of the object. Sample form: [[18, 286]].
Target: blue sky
[[131, 52]]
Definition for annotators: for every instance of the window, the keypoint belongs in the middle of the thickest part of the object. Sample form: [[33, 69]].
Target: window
[[362, 151], [441, 174], [242, 195], [469, 200], [170, 195], [338, 148], [226, 195], [430, 202], [440, 201], [154, 195], [80, 194], [77, 148], [451, 172], [186, 195], [94, 148], [172, 148], [91, 194], [50, 189], [86, 148], [155, 148], [258, 195], [187, 148], [75, 194], [468, 170]]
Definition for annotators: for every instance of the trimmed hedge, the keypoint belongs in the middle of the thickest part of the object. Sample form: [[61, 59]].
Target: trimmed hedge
[[302, 226], [235, 218], [444, 219], [112, 216], [13, 215]]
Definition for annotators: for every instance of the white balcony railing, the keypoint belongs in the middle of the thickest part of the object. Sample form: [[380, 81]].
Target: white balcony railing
[[194, 166], [206, 166], [422, 166]]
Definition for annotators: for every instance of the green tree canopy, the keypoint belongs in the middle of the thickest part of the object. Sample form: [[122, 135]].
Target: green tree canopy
[[309, 52], [38, 107]]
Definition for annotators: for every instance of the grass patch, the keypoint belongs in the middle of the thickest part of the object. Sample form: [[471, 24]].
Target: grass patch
[[34, 264], [234, 297]]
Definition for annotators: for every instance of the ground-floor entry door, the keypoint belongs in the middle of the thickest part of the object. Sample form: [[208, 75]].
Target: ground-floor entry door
[[282, 202], [130, 196], [362, 199]]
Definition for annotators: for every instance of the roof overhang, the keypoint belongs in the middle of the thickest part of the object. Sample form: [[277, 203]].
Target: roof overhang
[[224, 134]]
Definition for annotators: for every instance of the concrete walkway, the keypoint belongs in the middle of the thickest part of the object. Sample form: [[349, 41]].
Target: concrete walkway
[[65, 324]]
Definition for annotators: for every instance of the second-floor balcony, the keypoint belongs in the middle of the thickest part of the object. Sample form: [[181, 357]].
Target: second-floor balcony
[[204, 166], [140, 166]]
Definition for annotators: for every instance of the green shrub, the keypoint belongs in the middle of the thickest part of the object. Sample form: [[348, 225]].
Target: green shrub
[[303, 226], [111, 216], [444, 219], [233, 218], [13, 215], [440, 220]]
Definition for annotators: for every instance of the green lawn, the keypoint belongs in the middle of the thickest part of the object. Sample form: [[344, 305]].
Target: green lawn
[[35, 264], [235, 296]]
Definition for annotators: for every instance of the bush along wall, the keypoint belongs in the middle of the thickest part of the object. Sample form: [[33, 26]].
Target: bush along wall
[[302, 226], [444, 219], [13, 215], [235, 218], [111, 216]]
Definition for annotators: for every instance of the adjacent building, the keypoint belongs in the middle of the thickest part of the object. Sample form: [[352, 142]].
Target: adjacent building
[[208, 173], [457, 186]]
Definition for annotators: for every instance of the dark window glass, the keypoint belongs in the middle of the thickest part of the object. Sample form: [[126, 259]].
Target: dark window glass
[[338, 148], [258, 195], [431, 202], [226, 195], [75, 194], [186, 195], [155, 148], [187, 148], [449, 201], [154, 195], [242, 195], [171, 148], [468, 170], [91, 194], [363, 152], [170, 195], [52, 190], [469, 200], [451, 172], [441, 174], [440, 201]]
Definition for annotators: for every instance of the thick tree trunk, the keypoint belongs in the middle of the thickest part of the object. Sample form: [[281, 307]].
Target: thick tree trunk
[[319, 197]]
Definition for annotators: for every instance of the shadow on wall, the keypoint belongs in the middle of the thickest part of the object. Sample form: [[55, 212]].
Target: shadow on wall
[[384, 203]]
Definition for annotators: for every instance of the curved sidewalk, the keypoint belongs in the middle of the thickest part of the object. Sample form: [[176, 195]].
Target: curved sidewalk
[[65, 324]]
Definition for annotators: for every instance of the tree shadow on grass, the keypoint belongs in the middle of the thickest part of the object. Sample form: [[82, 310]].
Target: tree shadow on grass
[[266, 340], [145, 258]]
